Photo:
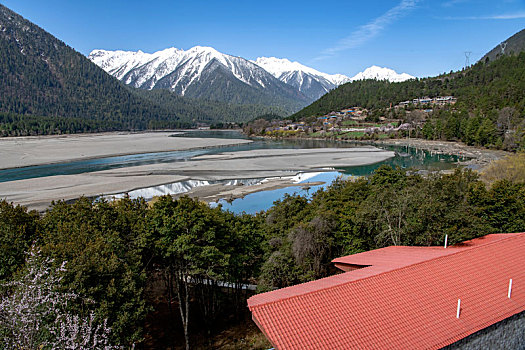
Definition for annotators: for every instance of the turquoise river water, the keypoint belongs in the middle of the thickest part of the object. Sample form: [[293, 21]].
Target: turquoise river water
[[405, 157]]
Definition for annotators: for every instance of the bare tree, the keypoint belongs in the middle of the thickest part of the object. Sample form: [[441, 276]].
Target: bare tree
[[313, 243], [506, 117]]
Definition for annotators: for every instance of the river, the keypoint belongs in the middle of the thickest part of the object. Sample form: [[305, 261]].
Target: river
[[251, 203]]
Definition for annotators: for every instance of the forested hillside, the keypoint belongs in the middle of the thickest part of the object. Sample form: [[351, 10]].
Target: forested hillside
[[47, 87], [490, 111], [490, 108], [43, 77], [484, 86], [204, 110]]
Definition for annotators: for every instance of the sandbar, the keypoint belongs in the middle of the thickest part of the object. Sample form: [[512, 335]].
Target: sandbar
[[37, 150], [39, 192]]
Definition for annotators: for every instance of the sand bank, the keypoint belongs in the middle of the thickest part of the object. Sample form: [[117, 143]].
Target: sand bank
[[39, 192], [25, 151], [213, 193], [260, 163]]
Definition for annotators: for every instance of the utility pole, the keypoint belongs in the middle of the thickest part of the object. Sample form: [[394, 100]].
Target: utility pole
[[503, 46], [467, 58]]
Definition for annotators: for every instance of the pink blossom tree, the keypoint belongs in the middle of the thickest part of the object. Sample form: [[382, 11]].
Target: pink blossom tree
[[34, 312]]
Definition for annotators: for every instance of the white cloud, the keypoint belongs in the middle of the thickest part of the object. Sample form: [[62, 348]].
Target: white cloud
[[370, 30], [517, 15], [453, 2]]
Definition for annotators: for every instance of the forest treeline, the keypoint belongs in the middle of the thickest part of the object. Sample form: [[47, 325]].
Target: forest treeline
[[204, 257], [49, 88], [490, 108], [43, 77]]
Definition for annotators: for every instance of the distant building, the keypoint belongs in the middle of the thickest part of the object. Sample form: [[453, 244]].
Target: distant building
[[466, 296], [442, 100]]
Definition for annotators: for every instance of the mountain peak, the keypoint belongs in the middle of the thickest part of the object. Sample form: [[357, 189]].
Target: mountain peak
[[280, 66], [199, 72], [184, 72], [306, 79], [382, 73], [207, 49]]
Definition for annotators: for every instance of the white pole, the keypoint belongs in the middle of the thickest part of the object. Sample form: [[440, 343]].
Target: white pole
[[446, 240], [510, 288], [459, 308]]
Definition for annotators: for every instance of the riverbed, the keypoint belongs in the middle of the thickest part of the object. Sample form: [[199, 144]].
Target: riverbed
[[18, 152], [225, 167]]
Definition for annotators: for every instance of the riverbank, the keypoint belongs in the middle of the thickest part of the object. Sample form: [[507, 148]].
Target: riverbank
[[18, 152], [38, 193], [475, 158], [213, 193]]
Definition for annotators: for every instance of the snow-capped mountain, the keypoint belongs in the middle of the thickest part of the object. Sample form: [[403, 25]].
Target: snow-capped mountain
[[309, 81], [200, 72], [381, 73], [315, 84], [203, 72], [139, 69]]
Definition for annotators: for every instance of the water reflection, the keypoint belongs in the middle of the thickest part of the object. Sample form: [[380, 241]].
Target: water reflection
[[258, 201], [405, 158]]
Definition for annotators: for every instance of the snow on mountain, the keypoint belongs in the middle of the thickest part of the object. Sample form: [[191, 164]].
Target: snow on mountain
[[204, 72], [200, 72], [144, 70], [382, 73], [314, 83], [306, 79], [152, 67], [280, 66]]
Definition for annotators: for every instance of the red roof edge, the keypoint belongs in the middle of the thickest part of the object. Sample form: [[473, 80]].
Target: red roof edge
[[369, 307], [297, 290]]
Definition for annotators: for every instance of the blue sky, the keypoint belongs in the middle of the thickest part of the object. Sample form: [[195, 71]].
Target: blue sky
[[419, 37]]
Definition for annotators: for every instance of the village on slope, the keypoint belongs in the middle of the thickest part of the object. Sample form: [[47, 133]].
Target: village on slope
[[357, 122]]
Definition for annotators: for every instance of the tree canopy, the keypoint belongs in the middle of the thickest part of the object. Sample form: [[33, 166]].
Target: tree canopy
[[201, 260]]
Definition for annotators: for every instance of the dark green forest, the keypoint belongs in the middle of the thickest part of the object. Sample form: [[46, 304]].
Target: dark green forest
[[207, 111], [116, 252], [49, 88], [490, 108], [43, 77], [485, 86]]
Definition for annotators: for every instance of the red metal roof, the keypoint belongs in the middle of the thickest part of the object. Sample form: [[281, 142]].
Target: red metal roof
[[406, 299]]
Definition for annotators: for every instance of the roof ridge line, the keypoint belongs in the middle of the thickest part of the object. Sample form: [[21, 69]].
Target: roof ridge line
[[394, 269]]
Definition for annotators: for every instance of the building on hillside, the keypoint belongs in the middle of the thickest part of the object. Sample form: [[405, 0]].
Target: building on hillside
[[441, 100], [466, 296], [445, 100]]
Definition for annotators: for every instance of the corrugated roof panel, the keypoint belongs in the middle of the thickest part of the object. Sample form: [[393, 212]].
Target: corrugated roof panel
[[402, 301]]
